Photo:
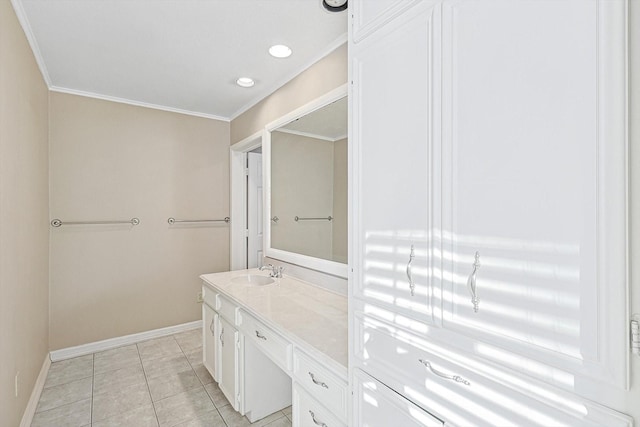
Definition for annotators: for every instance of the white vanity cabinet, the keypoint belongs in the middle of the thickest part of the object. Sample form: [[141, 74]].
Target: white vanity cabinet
[[229, 352], [488, 169], [278, 345], [309, 412], [327, 388], [210, 325]]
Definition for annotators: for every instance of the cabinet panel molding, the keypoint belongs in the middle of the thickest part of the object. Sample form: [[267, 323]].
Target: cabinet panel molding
[[463, 390], [395, 124], [373, 14], [534, 181]]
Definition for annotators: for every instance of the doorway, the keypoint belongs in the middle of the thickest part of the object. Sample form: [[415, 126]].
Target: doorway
[[241, 208], [254, 208]]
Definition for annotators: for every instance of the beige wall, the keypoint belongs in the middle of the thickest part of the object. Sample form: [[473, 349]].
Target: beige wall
[[24, 228], [322, 77], [340, 201], [113, 161]]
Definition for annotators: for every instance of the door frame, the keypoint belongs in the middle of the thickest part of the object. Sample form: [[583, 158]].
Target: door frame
[[255, 217], [238, 199]]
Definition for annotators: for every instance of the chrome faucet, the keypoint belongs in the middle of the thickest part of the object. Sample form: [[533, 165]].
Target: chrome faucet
[[274, 271]]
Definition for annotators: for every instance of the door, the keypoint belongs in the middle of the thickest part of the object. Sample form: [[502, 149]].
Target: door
[[210, 326], [254, 211], [228, 376]]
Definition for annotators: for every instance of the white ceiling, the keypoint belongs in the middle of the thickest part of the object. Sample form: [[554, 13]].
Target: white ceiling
[[180, 55]]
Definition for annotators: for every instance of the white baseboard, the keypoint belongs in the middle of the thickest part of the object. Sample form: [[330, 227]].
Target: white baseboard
[[30, 410], [84, 349]]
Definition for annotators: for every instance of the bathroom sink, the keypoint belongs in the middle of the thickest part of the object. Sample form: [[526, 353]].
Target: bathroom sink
[[252, 279]]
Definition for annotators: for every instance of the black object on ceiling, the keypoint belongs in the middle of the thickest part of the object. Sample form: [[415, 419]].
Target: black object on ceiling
[[335, 5]]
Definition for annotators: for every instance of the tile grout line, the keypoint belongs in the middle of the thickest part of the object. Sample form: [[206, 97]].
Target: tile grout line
[[146, 381], [199, 380], [203, 385]]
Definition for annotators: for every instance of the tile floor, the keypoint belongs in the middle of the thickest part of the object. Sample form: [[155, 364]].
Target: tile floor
[[161, 382]]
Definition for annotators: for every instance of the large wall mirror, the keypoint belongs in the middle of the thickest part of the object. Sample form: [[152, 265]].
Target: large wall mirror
[[305, 163]]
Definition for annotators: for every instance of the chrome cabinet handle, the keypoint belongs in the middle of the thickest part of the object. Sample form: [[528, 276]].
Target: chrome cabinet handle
[[471, 283], [211, 327], [434, 371], [222, 337], [259, 335], [315, 381], [409, 276], [316, 422]]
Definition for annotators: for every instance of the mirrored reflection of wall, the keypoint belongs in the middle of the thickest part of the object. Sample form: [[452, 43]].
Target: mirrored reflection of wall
[[304, 184]]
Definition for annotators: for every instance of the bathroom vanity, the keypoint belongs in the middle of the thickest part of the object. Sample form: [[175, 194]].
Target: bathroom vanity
[[274, 342]]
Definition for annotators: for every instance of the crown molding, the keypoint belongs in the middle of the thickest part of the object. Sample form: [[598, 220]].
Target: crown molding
[[24, 22], [136, 103], [28, 32]]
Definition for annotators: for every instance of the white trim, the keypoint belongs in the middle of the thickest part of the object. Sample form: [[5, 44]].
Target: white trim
[[238, 191], [308, 134], [322, 265], [286, 79], [329, 97], [135, 103], [84, 349], [31, 38], [32, 404], [24, 23]]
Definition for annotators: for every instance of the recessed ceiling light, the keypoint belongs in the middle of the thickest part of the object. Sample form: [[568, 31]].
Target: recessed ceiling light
[[245, 82], [280, 51]]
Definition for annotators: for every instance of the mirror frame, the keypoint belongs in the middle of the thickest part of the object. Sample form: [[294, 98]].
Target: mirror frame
[[323, 265]]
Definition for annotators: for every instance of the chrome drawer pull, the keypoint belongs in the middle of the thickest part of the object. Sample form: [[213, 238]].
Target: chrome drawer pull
[[259, 335], [211, 327], [471, 283], [222, 337], [455, 378], [316, 382], [409, 276], [313, 417]]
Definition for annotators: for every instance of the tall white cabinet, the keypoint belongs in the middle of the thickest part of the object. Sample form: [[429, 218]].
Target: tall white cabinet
[[489, 199]]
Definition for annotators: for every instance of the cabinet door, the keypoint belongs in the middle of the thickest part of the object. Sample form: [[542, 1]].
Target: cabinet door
[[533, 182], [308, 412], [378, 405], [209, 339], [228, 350], [395, 122]]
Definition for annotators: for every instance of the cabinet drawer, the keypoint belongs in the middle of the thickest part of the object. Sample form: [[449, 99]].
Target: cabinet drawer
[[308, 412], [209, 297], [464, 390], [267, 340], [321, 383], [378, 405], [227, 309]]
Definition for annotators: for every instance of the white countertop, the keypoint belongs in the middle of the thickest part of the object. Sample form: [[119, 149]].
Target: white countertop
[[311, 317]]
